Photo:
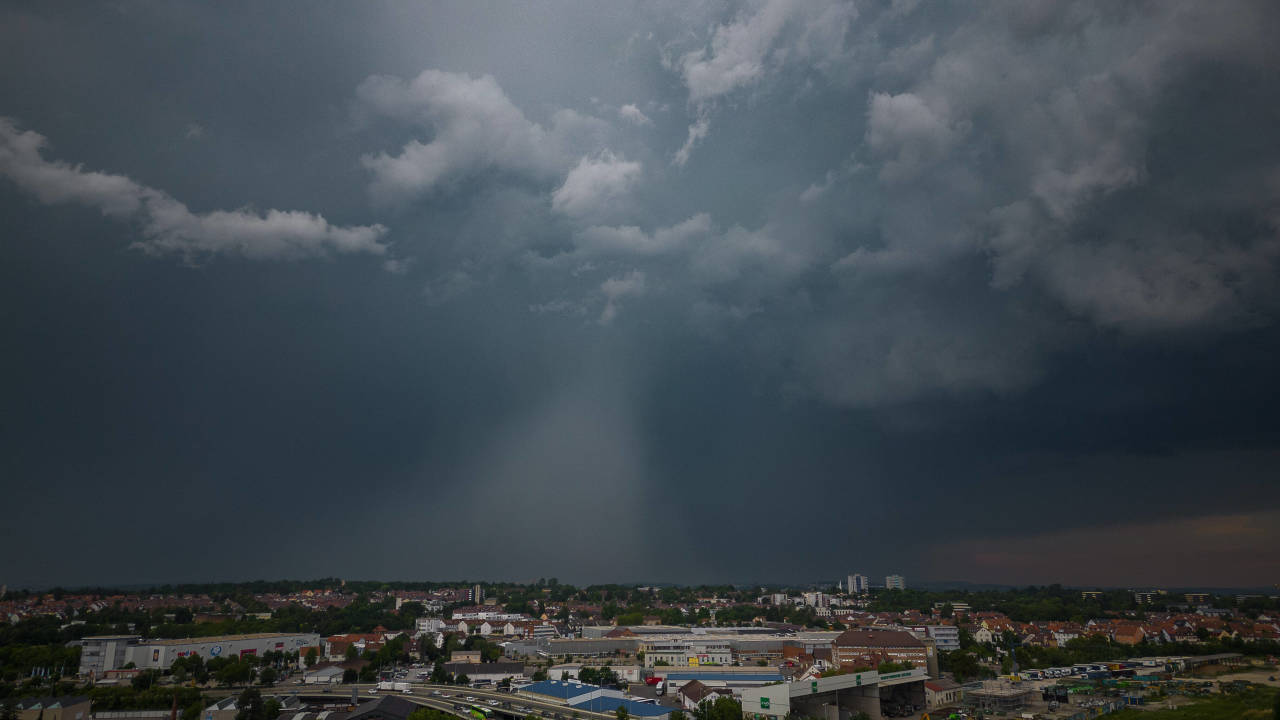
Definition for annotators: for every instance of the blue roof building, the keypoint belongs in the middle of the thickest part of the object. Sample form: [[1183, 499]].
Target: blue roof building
[[560, 690]]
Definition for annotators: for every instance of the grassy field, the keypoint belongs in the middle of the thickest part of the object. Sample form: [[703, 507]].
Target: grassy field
[[1255, 704], [1212, 671]]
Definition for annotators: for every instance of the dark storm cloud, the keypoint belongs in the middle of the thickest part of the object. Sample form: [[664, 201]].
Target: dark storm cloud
[[664, 277]]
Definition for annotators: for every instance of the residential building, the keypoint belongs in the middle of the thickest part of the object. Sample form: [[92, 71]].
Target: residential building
[[429, 625], [865, 647], [695, 691], [1149, 596], [895, 582], [817, 600], [71, 707], [858, 584], [947, 637]]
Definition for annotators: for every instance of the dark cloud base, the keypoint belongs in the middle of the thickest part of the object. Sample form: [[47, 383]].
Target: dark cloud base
[[937, 289]]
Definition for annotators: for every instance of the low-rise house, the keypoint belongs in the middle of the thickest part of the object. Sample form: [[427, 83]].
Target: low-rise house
[[692, 693], [941, 693], [67, 707]]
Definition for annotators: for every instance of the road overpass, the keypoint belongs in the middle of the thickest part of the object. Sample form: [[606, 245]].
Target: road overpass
[[837, 697], [449, 695]]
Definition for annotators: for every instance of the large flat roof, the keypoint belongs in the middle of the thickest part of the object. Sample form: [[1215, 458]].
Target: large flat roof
[[727, 677], [222, 638], [561, 689]]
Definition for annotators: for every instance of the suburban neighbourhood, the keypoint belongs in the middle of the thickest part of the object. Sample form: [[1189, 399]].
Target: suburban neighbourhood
[[857, 648]]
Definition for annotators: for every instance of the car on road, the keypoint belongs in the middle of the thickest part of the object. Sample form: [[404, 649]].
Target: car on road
[[493, 703]]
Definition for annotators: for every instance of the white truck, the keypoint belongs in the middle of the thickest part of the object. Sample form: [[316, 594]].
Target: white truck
[[394, 686]]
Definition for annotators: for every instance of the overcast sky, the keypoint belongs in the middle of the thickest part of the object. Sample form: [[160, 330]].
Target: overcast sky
[[640, 291]]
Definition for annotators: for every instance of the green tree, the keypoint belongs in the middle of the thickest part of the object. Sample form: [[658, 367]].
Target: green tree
[[267, 676], [144, 680], [353, 653], [677, 715], [249, 706], [312, 656], [234, 673], [621, 713], [349, 676], [723, 708], [193, 711], [273, 708]]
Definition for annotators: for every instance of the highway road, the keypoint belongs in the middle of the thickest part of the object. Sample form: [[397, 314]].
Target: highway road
[[449, 696]]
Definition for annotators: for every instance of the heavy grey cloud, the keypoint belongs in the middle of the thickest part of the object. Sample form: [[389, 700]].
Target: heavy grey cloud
[[655, 266]]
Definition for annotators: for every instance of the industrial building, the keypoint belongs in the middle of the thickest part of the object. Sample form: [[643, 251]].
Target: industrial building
[[689, 652], [592, 698], [102, 653], [491, 672]]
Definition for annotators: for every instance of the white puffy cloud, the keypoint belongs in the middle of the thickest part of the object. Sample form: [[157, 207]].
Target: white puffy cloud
[[633, 115], [475, 127], [740, 53], [168, 226], [908, 132], [737, 53], [617, 288], [595, 185], [631, 241]]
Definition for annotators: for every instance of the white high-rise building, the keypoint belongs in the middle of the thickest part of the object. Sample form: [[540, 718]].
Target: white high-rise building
[[895, 582], [858, 584]]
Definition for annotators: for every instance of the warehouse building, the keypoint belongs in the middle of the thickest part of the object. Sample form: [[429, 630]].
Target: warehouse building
[[100, 654], [592, 698]]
